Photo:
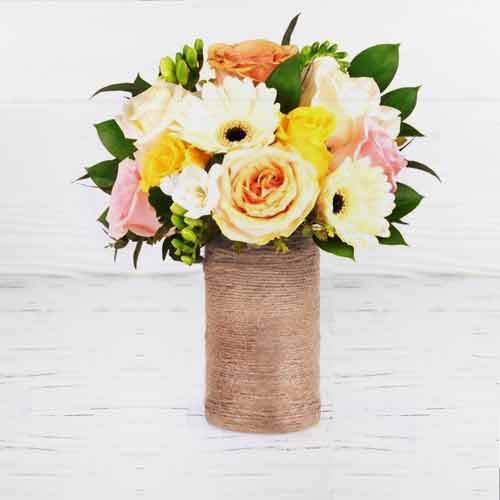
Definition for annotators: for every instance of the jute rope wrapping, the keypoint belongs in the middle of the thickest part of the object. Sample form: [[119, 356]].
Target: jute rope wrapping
[[262, 337]]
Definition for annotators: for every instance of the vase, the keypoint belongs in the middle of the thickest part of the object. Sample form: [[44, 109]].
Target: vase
[[262, 337]]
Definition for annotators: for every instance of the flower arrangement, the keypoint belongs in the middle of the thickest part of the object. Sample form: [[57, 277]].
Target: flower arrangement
[[265, 141]]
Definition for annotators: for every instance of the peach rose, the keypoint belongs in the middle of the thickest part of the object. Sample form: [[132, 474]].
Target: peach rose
[[255, 59], [370, 140], [265, 193]]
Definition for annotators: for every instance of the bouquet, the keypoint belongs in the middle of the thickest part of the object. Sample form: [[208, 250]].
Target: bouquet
[[257, 142]]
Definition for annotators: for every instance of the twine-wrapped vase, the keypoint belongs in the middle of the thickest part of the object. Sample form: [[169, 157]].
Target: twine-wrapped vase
[[262, 337]]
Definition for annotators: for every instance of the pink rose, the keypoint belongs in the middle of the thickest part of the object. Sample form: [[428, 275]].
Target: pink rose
[[129, 207], [370, 140]]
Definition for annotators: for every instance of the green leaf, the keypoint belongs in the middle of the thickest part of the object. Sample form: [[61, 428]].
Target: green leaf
[[102, 218], [104, 174], [114, 140], [379, 62], [395, 238], [216, 158], [82, 178], [161, 203], [403, 99], [159, 235], [407, 199], [165, 248], [407, 130], [289, 31], [424, 168], [336, 246], [136, 87], [286, 79], [137, 252]]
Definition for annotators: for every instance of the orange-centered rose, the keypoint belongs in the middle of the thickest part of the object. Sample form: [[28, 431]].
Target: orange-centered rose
[[265, 193], [255, 59]]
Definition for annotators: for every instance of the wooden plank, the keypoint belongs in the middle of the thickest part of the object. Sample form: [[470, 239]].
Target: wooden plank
[[101, 384]]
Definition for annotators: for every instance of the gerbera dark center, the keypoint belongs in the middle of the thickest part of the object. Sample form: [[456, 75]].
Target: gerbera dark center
[[235, 134], [338, 203]]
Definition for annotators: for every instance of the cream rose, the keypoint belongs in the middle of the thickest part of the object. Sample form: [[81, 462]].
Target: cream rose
[[151, 112], [348, 99], [265, 193]]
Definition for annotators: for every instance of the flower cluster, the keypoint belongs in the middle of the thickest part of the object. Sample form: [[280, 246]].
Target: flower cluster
[[275, 140]]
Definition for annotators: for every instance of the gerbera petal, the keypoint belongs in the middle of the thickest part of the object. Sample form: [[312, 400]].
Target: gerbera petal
[[365, 202], [226, 118]]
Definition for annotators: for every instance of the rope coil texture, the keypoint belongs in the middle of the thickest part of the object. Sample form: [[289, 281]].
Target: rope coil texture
[[262, 337]]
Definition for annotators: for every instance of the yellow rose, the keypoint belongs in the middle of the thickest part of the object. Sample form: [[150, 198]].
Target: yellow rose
[[306, 130], [163, 156], [166, 155], [197, 157], [265, 193]]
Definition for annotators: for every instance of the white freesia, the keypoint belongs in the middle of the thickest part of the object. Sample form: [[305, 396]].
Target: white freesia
[[355, 200], [347, 98], [151, 112], [194, 189], [234, 115]]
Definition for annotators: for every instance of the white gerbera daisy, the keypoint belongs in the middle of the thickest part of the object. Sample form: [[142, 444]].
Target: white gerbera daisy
[[231, 116], [355, 201]]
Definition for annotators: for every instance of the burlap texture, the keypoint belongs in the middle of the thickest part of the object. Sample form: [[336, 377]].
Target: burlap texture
[[262, 337]]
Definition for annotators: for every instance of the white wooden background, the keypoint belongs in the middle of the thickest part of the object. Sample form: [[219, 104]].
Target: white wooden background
[[101, 367]]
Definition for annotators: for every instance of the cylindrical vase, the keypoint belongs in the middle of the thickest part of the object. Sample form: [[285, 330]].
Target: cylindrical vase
[[262, 337]]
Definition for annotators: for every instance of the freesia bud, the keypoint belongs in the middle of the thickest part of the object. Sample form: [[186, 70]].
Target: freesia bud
[[306, 51], [177, 209], [182, 72], [187, 249], [193, 222], [324, 46], [198, 45], [187, 260], [191, 57], [178, 221], [167, 69], [177, 244], [189, 235]]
